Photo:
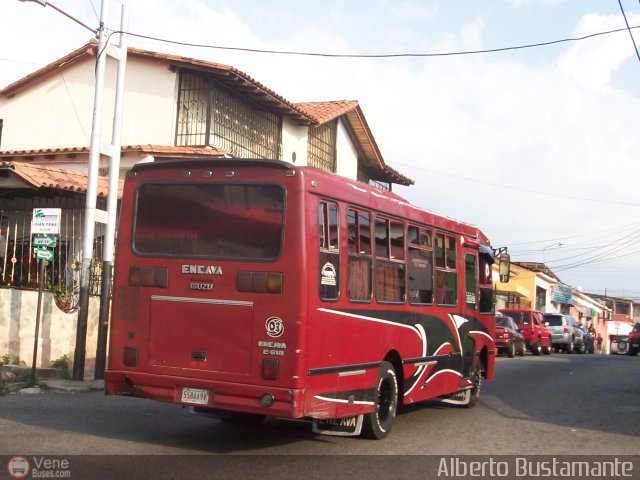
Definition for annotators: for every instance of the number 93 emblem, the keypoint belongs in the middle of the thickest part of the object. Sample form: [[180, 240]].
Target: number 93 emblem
[[274, 326]]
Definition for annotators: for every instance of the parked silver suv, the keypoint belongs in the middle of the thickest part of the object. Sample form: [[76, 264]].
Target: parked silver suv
[[565, 332]]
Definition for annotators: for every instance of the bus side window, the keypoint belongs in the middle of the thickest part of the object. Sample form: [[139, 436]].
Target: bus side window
[[446, 272], [470, 281], [359, 255], [486, 285], [389, 268], [420, 266], [329, 243]]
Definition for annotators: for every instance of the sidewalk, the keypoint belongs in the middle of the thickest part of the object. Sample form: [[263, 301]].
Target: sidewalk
[[49, 379]]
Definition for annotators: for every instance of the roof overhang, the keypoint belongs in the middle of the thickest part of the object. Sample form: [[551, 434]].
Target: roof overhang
[[22, 175], [225, 74], [158, 151], [358, 128]]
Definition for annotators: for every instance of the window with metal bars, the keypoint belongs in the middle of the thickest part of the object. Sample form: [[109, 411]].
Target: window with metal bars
[[211, 115], [384, 186], [321, 146], [193, 105]]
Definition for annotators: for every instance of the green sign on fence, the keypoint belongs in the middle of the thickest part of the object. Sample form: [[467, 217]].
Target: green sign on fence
[[46, 241], [44, 254]]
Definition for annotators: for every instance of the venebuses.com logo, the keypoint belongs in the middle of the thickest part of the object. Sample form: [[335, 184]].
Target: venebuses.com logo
[[38, 467], [18, 467]]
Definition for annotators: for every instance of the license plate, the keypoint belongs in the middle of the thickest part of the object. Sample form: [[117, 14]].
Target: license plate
[[196, 396]]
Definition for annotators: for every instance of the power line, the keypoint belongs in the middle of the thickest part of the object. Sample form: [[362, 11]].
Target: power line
[[376, 55], [614, 247], [594, 261], [611, 251], [526, 190], [589, 237], [633, 40], [357, 55], [12, 60], [581, 235]]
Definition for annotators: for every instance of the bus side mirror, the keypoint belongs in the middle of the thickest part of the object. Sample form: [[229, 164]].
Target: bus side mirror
[[504, 267]]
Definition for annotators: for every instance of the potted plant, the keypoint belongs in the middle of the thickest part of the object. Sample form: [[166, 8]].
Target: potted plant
[[65, 296]]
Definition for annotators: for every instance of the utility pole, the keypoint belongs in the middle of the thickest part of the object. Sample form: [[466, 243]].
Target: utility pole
[[112, 199], [90, 205], [92, 189]]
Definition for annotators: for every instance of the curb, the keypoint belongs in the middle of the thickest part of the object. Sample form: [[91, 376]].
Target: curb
[[70, 386]]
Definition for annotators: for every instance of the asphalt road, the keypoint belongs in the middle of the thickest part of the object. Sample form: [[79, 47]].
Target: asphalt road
[[549, 405]]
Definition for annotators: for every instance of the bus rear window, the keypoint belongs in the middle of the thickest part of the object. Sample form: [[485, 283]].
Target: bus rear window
[[235, 222]]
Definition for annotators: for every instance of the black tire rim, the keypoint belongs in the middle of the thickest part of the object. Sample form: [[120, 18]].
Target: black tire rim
[[384, 406]]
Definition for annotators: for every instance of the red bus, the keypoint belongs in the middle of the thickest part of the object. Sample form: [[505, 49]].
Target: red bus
[[253, 288]]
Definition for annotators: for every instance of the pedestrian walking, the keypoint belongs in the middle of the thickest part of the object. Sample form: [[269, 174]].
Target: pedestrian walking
[[599, 343]]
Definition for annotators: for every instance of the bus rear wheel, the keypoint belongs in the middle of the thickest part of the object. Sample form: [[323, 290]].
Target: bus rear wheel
[[377, 424], [476, 379]]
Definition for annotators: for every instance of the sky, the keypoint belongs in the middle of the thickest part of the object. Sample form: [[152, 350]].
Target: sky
[[537, 146]]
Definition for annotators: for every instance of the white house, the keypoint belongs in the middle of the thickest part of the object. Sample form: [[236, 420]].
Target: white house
[[174, 107]]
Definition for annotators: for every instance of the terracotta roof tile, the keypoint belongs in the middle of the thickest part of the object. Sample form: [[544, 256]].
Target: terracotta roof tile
[[39, 176], [183, 152], [326, 111], [155, 150]]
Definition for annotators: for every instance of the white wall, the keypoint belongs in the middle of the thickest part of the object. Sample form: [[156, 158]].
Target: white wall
[[294, 140], [58, 111], [149, 111], [54, 113], [346, 152], [542, 283]]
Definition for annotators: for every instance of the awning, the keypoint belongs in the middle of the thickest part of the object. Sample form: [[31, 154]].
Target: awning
[[15, 175]]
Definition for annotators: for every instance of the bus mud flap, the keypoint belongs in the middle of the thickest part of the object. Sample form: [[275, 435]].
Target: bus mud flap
[[459, 398], [342, 427]]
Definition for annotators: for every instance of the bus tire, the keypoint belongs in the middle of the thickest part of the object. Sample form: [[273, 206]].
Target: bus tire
[[377, 424], [474, 393]]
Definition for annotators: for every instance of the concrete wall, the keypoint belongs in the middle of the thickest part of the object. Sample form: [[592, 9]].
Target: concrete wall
[[347, 157], [294, 143], [57, 335]]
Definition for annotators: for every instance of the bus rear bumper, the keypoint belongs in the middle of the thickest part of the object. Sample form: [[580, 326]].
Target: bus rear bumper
[[284, 402]]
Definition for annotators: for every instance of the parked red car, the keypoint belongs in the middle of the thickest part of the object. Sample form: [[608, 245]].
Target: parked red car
[[531, 324], [508, 337]]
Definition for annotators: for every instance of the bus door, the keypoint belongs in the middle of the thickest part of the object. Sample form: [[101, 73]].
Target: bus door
[[470, 309]]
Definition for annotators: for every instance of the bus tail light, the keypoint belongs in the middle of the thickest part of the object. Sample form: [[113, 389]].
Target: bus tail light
[[148, 277], [259, 282], [270, 367], [130, 356]]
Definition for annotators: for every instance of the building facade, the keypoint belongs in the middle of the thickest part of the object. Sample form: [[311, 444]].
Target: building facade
[[174, 108]]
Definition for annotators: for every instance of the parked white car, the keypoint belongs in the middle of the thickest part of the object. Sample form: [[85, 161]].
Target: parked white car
[[620, 344]]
